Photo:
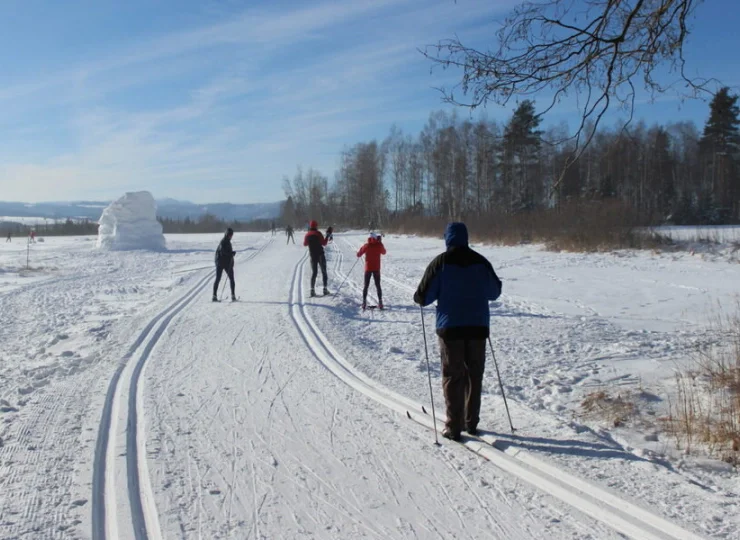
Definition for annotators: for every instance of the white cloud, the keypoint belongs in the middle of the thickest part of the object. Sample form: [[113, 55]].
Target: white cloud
[[237, 115]]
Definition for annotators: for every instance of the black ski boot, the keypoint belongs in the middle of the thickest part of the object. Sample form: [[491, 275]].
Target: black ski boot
[[326, 291], [214, 298], [313, 293], [233, 298]]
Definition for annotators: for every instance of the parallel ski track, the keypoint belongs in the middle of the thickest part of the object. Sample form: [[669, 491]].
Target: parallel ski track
[[621, 515], [103, 510]]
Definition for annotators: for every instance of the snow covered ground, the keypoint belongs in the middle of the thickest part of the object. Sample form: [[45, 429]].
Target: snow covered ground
[[129, 401], [723, 234]]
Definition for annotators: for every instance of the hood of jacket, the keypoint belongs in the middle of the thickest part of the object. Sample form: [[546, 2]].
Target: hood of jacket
[[456, 235]]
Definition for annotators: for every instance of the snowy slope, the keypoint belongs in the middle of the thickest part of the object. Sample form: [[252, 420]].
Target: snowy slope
[[280, 416]]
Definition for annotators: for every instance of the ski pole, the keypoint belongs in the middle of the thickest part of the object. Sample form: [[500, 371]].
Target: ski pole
[[221, 294], [348, 273], [429, 373], [501, 385]]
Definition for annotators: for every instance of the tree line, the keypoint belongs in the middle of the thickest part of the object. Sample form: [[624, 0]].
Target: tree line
[[463, 169]]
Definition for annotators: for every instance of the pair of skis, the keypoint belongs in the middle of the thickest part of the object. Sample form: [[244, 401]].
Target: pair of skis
[[463, 435]]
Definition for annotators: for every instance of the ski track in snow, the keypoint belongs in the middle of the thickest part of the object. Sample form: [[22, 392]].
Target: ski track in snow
[[618, 513], [64, 323], [107, 501], [279, 447], [540, 378], [280, 416]]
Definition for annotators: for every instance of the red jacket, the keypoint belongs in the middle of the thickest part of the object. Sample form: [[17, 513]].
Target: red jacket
[[372, 252]]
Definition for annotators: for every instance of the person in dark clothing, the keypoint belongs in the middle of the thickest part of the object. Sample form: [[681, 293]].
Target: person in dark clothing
[[462, 282], [315, 243], [289, 234], [9, 238], [225, 263], [330, 234], [372, 251], [272, 228]]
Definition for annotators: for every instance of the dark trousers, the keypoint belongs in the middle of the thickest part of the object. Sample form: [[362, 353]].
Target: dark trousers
[[229, 272], [375, 274], [463, 363], [315, 263], [290, 237]]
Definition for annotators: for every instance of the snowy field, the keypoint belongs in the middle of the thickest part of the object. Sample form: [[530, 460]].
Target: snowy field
[[725, 234], [130, 402]]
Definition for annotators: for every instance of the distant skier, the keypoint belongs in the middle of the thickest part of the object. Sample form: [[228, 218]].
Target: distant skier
[[273, 228], [225, 263], [32, 237], [315, 242], [330, 234], [372, 251], [462, 282], [9, 238], [289, 234]]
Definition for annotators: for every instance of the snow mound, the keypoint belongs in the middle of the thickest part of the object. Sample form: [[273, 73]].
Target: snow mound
[[131, 223]]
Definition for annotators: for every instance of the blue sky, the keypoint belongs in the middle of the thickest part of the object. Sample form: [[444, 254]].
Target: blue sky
[[211, 100]]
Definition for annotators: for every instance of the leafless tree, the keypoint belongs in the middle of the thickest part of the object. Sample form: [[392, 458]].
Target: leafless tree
[[594, 50]]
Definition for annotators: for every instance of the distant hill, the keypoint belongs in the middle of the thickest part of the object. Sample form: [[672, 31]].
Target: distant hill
[[169, 208]]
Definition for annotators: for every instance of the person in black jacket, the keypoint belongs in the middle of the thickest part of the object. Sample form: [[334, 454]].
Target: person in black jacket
[[462, 282], [225, 262], [315, 242]]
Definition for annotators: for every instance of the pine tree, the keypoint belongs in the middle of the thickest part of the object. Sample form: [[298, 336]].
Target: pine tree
[[522, 183], [720, 154]]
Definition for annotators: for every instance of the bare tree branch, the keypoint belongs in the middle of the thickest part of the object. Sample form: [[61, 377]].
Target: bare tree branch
[[590, 48]]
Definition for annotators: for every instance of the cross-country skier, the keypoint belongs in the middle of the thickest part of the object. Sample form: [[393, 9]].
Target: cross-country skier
[[9, 238], [289, 234], [315, 242], [225, 263], [272, 228], [462, 282], [372, 251], [330, 234]]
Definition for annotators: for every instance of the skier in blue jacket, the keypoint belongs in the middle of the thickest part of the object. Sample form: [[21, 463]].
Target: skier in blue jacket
[[462, 282]]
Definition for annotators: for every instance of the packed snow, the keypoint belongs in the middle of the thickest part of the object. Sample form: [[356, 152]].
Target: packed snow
[[282, 416], [131, 223]]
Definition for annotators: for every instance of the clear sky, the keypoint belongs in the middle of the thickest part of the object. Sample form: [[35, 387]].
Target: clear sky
[[217, 100]]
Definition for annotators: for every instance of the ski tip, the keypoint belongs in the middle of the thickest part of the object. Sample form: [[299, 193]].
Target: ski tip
[[424, 410], [408, 414]]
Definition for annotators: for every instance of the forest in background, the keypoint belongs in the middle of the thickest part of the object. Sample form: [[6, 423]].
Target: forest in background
[[511, 179]]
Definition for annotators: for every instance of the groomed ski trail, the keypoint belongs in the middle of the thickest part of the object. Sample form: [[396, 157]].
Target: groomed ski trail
[[619, 514], [137, 507], [251, 437]]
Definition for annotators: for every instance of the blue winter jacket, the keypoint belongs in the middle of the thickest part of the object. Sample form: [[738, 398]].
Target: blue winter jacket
[[462, 282]]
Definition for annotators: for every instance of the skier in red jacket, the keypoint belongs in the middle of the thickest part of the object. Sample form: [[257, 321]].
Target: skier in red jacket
[[372, 251]]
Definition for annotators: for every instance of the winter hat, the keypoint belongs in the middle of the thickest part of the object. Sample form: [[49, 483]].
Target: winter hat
[[313, 224], [230, 231]]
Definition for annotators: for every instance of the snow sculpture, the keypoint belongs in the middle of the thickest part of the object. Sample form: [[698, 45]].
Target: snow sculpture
[[131, 223]]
